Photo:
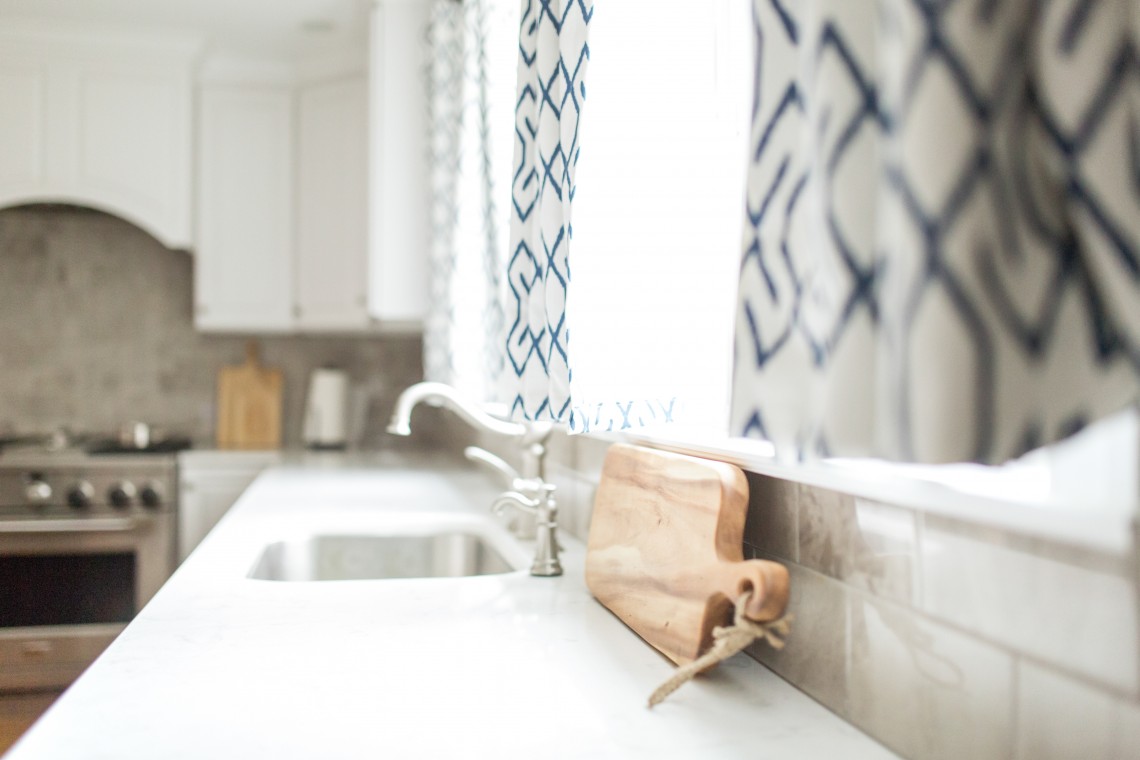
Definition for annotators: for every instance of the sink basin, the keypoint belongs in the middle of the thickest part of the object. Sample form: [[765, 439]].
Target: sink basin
[[450, 554]]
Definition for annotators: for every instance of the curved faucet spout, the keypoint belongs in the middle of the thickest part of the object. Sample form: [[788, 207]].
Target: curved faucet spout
[[439, 394], [530, 437]]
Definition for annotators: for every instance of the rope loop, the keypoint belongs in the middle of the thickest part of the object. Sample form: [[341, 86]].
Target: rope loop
[[727, 641]]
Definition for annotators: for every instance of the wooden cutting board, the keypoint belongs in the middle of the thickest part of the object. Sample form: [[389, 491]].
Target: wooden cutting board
[[665, 552], [249, 404]]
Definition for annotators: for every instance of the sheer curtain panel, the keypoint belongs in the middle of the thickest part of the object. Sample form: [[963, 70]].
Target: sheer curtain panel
[[471, 99]]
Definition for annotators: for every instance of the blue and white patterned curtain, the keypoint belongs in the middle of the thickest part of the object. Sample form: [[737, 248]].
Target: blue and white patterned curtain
[[471, 93], [942, 242], [552, 61]]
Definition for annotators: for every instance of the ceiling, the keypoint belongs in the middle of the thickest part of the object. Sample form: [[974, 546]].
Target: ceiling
[[250, 27]]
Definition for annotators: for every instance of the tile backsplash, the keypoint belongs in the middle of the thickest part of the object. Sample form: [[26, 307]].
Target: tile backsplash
[[939, 637], [96, 329]]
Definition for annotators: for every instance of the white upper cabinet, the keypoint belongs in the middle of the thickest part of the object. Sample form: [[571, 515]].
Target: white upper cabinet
[[399, 265], [99, 123], [357, 221], [243, 274], [331, 286], [298, 180]]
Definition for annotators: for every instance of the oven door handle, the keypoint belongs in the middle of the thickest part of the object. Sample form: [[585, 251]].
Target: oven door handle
[[92, 525]]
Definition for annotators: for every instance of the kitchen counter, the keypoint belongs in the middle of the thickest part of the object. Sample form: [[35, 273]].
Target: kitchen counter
[[500, 666]]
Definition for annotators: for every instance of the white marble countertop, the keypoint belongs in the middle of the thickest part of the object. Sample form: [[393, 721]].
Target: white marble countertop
[[501, 666]]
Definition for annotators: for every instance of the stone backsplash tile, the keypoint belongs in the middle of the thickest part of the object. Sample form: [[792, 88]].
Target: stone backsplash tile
[[575, 500], [870, 545], [96, 329], [923, 689], [1055, 610], [771, 526], [1126, 730], [814, 657], [590, 454], [826, 530], [1061, 719], [884, 551]]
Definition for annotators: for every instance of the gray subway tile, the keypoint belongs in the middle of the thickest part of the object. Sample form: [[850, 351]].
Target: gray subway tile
[[867, 544], [814, 656], [826, 530], [1059, 718], [590, 455], [1126, 731], [1080, 618], [926, 690], [771, 525], [88, 362], [575, 500], [885, 551]]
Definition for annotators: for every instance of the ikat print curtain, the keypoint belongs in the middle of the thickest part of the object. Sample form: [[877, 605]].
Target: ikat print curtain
[[942, 237], [552, 59]]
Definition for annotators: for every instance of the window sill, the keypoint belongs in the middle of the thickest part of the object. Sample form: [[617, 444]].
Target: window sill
[[994, 497]]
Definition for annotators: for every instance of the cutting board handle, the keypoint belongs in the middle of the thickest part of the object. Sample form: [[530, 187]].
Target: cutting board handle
[[252, 353], [767, 580]]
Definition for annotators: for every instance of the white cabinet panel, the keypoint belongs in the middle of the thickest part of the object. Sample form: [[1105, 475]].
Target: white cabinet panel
[[210, 482], [332, 205], [243, 272], [99, 122], [131, 126], [22, 94], [398, 289]]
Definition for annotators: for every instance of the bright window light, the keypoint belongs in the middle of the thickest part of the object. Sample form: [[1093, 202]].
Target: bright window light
[[658, 210]]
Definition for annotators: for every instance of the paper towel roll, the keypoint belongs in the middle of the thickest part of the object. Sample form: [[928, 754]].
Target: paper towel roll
[[326, 409]]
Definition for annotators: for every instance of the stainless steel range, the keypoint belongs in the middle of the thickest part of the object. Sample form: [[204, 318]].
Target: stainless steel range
[[85, 540]]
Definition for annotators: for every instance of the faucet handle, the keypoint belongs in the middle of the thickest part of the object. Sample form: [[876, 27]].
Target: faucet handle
[[519, 501], [543, 507], [530, 499], [514, 481]]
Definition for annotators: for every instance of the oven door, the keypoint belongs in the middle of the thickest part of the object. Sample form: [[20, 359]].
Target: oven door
[[68, 587]]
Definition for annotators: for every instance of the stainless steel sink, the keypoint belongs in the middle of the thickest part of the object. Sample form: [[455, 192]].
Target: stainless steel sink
[[449, 554]]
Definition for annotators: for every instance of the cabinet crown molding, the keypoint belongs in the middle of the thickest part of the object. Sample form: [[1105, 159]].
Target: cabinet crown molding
[[55, 39]]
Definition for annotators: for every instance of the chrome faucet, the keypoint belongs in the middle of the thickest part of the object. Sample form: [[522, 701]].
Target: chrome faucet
[[527, 491], [540, 503]]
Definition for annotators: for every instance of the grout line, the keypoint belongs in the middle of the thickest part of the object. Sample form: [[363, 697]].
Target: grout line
[[797, 500], [1015, 708], [1134, 559], [918, 574]]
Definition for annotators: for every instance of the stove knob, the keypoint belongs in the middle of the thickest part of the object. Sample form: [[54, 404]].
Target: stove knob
[[37, 491], [151, 495], [122, 494], [81, 495]]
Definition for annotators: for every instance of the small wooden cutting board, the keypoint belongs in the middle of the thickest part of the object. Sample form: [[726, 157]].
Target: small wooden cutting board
[[665, 552], [249, 404]]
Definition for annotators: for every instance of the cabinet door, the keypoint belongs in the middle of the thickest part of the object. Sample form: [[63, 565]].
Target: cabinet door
[[23, 91], [204, 498], [243, 272], [398, 249], [134, 145], [332, 206]]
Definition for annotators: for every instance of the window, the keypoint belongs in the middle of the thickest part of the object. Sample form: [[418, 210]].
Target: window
[[656, 245], [657, 214]]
